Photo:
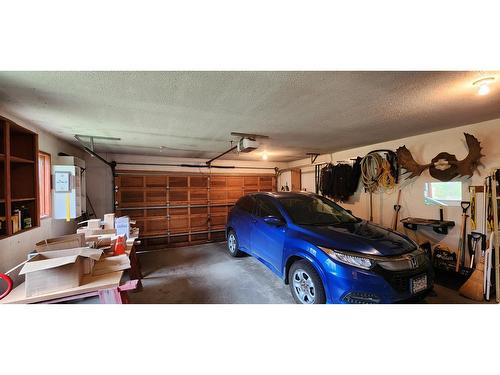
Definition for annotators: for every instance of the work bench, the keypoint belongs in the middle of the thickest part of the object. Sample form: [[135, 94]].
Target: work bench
[[108, 287]]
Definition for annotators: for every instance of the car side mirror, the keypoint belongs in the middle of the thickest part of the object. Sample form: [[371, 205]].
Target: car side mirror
[[275, 221]]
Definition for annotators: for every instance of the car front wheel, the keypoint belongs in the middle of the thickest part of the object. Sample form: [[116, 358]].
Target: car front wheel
[[306, 284], [232, 244]]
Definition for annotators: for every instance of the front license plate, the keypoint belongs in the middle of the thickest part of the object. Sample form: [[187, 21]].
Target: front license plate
[[419, 283]]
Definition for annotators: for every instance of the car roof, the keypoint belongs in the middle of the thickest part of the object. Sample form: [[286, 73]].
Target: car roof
[[283, 194]]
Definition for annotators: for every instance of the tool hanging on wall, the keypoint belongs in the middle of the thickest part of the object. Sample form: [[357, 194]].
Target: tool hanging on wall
[[397, 208], [472, 191], [463, 230], [489, 208], [473, 288]]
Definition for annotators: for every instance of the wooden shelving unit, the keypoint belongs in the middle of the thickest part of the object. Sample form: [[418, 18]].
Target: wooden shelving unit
[[18, 175], [178, 209]]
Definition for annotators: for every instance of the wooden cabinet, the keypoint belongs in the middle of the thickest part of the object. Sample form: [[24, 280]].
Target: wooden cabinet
[[178, 209], [18, 177]]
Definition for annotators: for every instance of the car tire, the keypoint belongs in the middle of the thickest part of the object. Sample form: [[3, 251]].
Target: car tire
[[305, 284], [233, 245]]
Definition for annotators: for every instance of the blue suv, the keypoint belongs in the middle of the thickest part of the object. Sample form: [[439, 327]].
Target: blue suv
[[326, 254]]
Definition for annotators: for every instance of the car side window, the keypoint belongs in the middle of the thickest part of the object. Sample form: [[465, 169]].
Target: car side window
[[265, 207], [246, 204]]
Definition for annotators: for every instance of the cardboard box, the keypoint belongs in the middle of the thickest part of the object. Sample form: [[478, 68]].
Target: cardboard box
[[59, 243], [56, 270]]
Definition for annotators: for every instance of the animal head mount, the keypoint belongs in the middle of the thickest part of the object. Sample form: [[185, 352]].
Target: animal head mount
[[444, 166]]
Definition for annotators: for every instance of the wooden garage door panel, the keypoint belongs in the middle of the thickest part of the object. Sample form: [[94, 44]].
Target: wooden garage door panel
[[198, 182], [156, 196], [218, 220], [177, 182], [178, 211], [218, 210], [199, 222], [235, 182], [156, 181], [131, 181], [155, 212], [179, 224], [234, 195], [131, 198], [178, 197], [266, 182], [199, 210], [198, 195], [199, 237], [218, 196], [218, 182], [133, 214], [251, 182], [157, 226]]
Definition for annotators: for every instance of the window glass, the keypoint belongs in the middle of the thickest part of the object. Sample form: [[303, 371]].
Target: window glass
[[266, 208], [44, 183], [443, 193], [246, 204], [316, 210]]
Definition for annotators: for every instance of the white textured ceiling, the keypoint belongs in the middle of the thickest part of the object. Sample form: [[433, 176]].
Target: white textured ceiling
[[192, 114]]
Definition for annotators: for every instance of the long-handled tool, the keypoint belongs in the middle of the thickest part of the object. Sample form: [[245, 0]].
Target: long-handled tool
[[473, 239], [463, 230], [473, 287], [487, 268], [397, 208]]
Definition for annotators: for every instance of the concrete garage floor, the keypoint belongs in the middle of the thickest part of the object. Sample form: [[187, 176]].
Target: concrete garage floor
[[207, 274]]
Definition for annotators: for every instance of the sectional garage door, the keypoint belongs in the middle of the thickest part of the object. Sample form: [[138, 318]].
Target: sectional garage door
[[180, 209]]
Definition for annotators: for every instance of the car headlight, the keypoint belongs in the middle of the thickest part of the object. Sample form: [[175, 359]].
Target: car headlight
[[350, 259]]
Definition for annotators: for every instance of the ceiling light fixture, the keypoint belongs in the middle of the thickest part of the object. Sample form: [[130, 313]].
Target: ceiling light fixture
[[264, 156], [483, 85]]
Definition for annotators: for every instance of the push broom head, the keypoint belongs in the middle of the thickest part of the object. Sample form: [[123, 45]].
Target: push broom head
[[473, 287]]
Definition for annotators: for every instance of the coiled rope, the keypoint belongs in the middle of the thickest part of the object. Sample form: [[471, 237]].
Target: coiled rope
[[376, 173]]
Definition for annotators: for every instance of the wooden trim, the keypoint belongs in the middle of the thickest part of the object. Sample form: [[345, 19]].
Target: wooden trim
[[45, 200]]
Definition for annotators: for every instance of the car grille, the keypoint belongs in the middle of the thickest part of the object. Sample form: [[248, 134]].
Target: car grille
[[400, 280]]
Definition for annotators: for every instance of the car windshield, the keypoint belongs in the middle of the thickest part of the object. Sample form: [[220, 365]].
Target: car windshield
[[316, 210]]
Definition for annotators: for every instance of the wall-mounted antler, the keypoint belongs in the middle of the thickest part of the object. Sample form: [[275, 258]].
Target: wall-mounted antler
[[444, 166]]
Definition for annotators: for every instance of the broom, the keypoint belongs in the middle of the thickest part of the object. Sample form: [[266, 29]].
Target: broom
[[473, 287]]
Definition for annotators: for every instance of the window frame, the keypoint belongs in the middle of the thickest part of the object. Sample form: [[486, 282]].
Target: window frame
[[45, 210]]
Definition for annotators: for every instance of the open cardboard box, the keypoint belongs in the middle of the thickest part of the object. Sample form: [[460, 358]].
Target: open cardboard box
[[56, 270], [59, 243]]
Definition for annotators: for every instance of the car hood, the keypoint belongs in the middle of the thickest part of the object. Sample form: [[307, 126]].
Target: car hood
[[362, 237]]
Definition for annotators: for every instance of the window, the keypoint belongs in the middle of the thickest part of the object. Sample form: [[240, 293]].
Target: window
[[246, 204], [316, 210], [443, 193], [266, 208], [44, 183]]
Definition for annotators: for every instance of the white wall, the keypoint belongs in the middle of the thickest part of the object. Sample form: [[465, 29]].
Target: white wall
[[423, 148], [99, 181], [14, 249]]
